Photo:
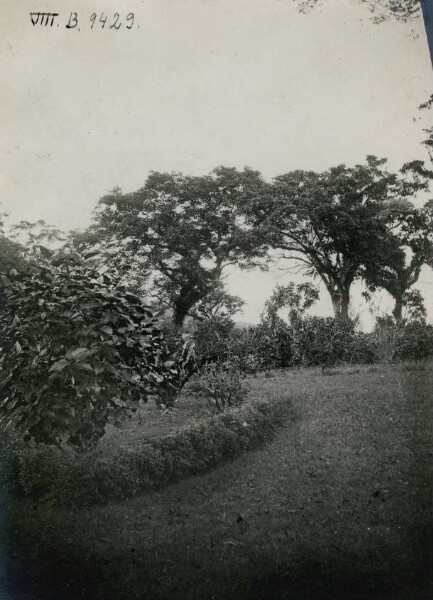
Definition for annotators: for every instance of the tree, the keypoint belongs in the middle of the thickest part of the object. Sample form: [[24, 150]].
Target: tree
[[277, 340], [185, 230], [297, 298], [328, 224], [218, 305], [410, 246]]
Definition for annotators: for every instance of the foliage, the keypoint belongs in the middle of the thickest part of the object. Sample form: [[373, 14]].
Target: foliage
[[218, 306], [132, 270], [177, 363], [310, 341], [416, 342], [220, 383], [30, 235], [325, 342], [385, 339], [328, 224], [88, 478], [296, 298], [392, 341], [381, 10], [213, 340], [410, 246], [320, 341], [10, 254], [428, 142], [273, 340], [277, 339], [77, 349], [186, 229]]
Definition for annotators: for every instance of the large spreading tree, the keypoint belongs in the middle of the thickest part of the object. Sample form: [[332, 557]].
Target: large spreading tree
[[410, 247], [410, 244], [330, 224], [185, 230]]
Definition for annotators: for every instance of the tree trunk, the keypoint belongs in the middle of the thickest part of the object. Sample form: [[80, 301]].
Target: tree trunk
[[345, 301], [398, 309], [179, 316], [340, 303], [182, 306]]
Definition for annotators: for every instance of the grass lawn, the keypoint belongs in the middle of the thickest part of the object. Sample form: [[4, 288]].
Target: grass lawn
[[336, 507]]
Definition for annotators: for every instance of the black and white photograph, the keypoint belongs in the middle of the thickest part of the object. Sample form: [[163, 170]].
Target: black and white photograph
[[216, 299]]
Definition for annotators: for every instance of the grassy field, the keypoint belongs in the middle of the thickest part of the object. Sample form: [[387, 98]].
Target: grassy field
[[337, 507]]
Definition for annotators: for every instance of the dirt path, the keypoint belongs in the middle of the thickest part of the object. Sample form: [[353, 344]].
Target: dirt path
[[338, 506]]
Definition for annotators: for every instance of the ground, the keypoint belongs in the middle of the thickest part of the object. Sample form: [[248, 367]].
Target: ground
[[337, 506]]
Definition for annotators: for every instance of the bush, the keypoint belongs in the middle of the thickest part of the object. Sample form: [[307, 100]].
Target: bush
[[221, 385], [77, 350], [307, 341], [385, 340], [71, 479], [407, 341], [274, 344], [416, 342]]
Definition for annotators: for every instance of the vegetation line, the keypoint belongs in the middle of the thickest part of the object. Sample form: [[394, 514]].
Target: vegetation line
[[68, 479]]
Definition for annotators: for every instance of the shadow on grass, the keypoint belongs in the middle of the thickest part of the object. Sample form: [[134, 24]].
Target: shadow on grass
[[311, 577], [320, 578]]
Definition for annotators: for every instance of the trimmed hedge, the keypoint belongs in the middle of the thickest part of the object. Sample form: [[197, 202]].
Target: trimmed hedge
[[68, 479]]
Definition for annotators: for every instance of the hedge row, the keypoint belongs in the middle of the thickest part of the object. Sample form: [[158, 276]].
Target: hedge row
[[91, 478]]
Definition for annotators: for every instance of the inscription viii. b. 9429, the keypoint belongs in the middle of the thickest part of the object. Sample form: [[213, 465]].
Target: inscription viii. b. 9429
[[114, 21]]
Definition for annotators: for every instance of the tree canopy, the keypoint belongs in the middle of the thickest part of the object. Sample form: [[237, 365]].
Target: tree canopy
[[331, 224], [185, 230], [410, 246]]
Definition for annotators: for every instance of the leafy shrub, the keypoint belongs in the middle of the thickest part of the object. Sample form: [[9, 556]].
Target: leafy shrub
[[307, 341], [220, 384], [77, 350], [89, 478], [416, 342], [324, 342], [212, 340], [274, 344], [319, 341], [406, 341], [177, 364]]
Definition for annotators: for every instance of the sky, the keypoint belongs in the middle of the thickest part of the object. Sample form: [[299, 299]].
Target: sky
[[195, 84]]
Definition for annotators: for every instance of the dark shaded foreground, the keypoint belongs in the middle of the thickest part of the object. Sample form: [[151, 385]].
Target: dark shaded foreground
[[337, 507]]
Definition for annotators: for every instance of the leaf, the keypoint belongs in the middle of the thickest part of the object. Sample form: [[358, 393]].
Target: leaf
[[46, 253], [107, 329], [79, 353], [86, 367], [59, 365]]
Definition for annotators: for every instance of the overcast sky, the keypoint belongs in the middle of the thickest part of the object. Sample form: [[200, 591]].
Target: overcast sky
[[195, 84]]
